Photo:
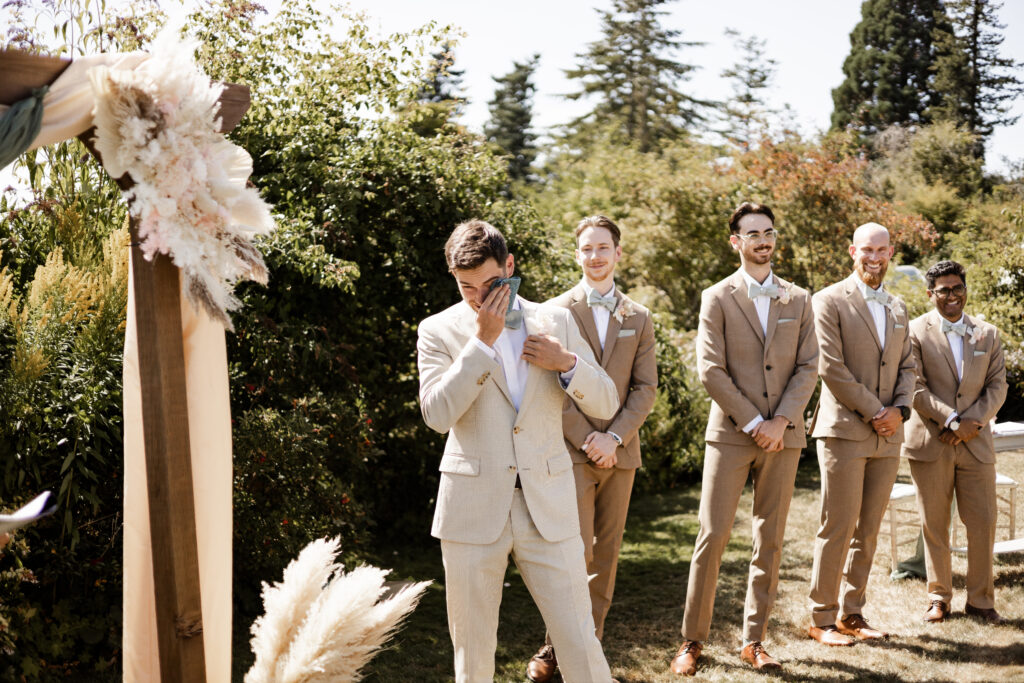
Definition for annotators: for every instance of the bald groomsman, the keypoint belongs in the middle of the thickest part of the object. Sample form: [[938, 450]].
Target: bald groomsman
[[961, 384], [757, 357], [867, 372], [605, 453]]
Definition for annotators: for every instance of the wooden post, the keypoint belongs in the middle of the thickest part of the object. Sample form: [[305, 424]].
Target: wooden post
[[164, 408]]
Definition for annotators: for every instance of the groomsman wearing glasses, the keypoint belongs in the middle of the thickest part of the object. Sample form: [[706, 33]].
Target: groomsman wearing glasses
[[961, 384], [605, 453], [757, 358], [867, 372]]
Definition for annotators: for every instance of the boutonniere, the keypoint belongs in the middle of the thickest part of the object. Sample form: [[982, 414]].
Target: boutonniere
[[975, 334], [625, 310], [896, 307], [540, 322], [784, 294]]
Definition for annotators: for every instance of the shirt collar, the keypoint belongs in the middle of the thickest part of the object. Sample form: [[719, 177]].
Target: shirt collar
[[587, 289], [751, 281]]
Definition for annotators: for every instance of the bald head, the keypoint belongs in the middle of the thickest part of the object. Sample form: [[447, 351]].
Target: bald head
[[871, 252]]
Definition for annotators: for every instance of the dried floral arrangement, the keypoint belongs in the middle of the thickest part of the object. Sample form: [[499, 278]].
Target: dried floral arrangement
[[158, 123]]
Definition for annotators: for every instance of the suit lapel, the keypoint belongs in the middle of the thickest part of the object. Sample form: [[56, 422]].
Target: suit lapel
[[935, 329], [890, 326], [611, 335], [861, 306], [968, 349], [739, 295], [774, 312], [585, 319], [467, 329], [533, 372]]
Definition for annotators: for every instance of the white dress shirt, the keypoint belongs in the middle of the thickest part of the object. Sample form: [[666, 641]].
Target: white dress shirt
[[601, 314], [877, 311], [761, 303], [956, 345]]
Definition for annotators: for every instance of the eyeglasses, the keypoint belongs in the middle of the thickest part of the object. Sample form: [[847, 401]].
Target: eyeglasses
[[767, 236], [944, 292]]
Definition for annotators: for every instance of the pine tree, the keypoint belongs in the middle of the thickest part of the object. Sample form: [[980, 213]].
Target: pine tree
[[442, 82], [975, 84], [632, 70], [889, 68], [511, 116], [746, 114]]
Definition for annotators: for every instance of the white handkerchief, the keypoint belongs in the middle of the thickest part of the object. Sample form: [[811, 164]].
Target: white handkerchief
[[786, 320], [897, 326], [979, 353], [627, 333]]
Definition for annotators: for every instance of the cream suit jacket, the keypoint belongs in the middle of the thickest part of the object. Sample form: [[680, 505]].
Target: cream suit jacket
[[748, 373], [629, 359], [859, 377], [463, 392], [977, 396]]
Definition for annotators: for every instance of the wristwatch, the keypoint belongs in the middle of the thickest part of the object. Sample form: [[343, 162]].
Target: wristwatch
[[904, 412], [954, 424], [618, 439]]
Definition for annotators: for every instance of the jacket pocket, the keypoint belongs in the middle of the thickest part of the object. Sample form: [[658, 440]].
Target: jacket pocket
[[559, 463], [457, 463]]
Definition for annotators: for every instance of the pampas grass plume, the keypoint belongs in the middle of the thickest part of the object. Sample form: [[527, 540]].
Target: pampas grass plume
[[322, 625]]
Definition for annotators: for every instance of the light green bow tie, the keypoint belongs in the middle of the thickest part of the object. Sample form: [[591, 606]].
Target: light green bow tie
[[595, 299], [955, 328], [879, 295], [771, 291]]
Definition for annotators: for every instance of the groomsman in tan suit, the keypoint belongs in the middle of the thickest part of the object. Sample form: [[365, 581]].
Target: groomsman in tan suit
[[867, 372], [605, 453], [495, 384], [757, 357], [961, 384]]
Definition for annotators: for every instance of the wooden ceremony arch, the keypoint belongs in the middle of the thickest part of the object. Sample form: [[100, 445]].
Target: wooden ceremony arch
[[158, 321]]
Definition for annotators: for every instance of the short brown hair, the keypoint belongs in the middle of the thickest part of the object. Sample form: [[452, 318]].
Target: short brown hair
[[472, 243], [599, 221], [748, 208]]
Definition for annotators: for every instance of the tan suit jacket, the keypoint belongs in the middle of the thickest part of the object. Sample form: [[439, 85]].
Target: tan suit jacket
[[859, 377], [463, 392], [939, 393], [629, 359], [764, 375]]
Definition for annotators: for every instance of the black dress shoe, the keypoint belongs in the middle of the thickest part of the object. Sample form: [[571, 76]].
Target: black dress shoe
[[988, 614]]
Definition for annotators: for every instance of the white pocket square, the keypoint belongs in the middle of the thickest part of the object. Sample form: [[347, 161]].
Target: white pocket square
[[897, 326], [786, 320], [627, 333], [979, 353]]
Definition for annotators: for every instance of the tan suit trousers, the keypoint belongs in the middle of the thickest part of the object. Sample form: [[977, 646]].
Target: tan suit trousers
[[974, 484], [856, 481], [726, 468], [556, 576]]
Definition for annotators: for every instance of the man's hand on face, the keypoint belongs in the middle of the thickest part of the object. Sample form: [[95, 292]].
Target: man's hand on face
[[600, 448], [546, 352], [769, 434], [950, 437], [490, 317], [969, 429], [887, 421]]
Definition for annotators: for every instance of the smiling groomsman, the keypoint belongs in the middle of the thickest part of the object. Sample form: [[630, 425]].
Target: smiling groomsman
[[605, 453], [757, 358], [867, 372], [961, 384]]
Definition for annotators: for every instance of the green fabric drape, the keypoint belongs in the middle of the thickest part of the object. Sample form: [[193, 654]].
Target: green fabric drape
[[20, 125]]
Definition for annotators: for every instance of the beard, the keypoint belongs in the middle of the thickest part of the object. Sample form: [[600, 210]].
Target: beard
[[869, 278]]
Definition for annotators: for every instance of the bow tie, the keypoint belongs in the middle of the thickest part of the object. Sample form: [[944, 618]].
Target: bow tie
[[879, 295], [770, 291], [955, 328], [595, 299]]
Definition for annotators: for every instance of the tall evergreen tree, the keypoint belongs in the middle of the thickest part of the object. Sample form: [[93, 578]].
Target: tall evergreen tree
[[976, 85], [633, 72], [442, 82], [511, 117], [889, 68], [746, 113]]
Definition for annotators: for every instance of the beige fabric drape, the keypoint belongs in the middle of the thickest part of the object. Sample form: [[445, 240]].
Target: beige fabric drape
[[209, 418]]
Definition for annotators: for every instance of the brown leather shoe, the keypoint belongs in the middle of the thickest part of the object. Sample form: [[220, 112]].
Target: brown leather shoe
[[754, 655], [828, 635], [937, 612], [685, 661], [990, 615], [857, 626], [542, 665]]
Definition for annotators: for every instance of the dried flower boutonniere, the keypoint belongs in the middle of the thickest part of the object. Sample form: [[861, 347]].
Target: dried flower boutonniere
[[784, 294], [975, 334], [625, 310]]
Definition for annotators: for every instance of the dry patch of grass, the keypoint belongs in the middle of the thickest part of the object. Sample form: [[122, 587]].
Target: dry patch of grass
[[642, 632]]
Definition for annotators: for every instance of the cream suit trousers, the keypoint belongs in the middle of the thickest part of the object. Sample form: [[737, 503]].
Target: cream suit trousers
[[726, 468], [856, 480], [556, 576]]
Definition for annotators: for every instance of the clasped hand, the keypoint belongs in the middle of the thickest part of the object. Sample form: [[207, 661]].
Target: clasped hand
[[887, 421], [969, 429], [600, 448], [769, 434]]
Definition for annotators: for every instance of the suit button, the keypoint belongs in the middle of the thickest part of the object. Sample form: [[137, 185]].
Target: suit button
[[765, 394], [516, 430], [577, 393], [959, 395], [767, 367], [511, 468], [883, 363]]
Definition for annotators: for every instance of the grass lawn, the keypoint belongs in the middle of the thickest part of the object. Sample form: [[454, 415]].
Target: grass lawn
[[642, 631]]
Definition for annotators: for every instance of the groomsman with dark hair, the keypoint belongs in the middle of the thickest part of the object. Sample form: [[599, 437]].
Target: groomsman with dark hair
[[605, 453], [961, 384], [757, 357]]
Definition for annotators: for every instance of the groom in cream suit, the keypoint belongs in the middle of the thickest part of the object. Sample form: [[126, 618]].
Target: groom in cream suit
[[757, 357], [495, 384], [961, 384], [867, 373]]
